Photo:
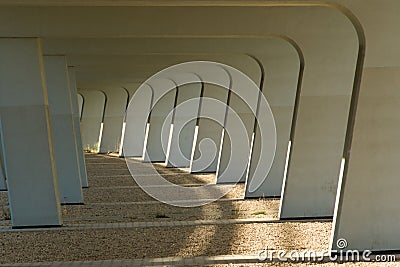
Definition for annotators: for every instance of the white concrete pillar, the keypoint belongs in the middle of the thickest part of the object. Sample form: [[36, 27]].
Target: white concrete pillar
[[281, 63], [208, 134], [26, 135], [62, 125], [309, 188], [92, 118], [134, 130], [155, 136], [76, 113], [117, 99], [367, 212], [241, 102], [181, 137]]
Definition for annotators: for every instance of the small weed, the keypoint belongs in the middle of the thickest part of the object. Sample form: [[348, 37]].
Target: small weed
[[236, 211], [92, 148]]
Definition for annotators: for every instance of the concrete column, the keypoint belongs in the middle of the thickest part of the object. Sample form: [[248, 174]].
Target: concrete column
[[76, 112], [181, 137], [309, 188], [208, 133], [367, 211], [205, 155], [155, 136], [117, 99], [243, 109], [133, 136], [92, 118], [62, 124], [26, 135], [281, 63]]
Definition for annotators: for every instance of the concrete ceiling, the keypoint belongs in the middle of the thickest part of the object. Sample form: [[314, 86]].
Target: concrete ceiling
[[133, 60], [144, 27], [114, 71]]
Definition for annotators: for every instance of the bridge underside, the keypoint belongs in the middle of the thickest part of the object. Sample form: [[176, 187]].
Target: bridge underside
[[78, 76]]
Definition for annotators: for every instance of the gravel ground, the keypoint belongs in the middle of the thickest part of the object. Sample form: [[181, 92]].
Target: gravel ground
[[358, 264], [111, 181], [96, 195], [213, 211], [128, 180], [160, 242], [3, 198], [106, 174]]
